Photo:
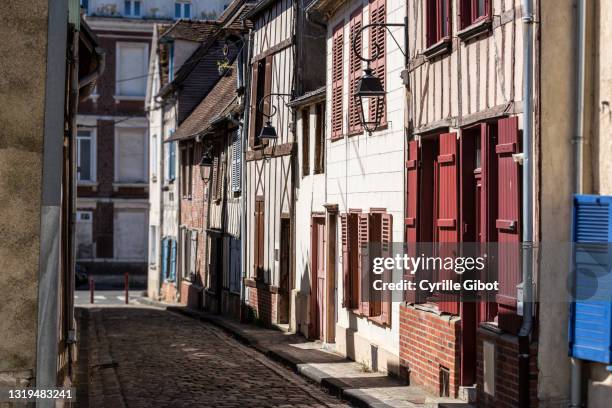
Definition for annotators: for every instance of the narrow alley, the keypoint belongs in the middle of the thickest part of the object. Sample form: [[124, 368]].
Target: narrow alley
[[139, 356]]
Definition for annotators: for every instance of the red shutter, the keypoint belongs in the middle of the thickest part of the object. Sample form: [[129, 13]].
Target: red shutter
[[448, 211], [363, 250], [465, 13], [386, 241], [432, 22], [508, 223], [355, 66], [253, 110], [412, 202], [337, 67], [346, 262], [378, 35]]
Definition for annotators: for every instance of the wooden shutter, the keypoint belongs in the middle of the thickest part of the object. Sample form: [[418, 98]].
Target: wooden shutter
[[220, 178], [448, 213], [508, 222], [258, 237], [173, 259], [363, 231], [378, 35], [253, 126], [305, 142], [412, 209], [465, 13], [164, 259], [236, 161], [346, 263], [319, 159], [337, 68], [386, 241], [215, 178], [193, 252], [355, 64], [267, 89], [432, 22]]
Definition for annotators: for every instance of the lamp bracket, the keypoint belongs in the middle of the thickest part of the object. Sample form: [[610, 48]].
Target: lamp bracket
[[376, 48], [273, 108]]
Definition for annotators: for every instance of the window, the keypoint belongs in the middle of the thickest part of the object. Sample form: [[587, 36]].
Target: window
[[474, 11], [218, 178], [186, 172], [84, 235], [85, 5], [235, 263], [182, 10], [319, 159], [131, 164], [438, 21], [336, 73], [193, 253], [131, 69], [168, 259], [153, 245], [261, 85], [154, 158], [130, 230], [359, 231], [236, 161], [378, 36], [189, 245], [171, 160], [305, 142], [171, 62], [131, 8], [86, 151], [355, 68]]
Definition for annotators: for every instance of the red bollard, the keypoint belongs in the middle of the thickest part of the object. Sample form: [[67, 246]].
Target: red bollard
[[91, 290], [127, 299]]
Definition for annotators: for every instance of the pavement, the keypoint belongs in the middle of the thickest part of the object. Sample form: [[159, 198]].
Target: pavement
[[314, 361], [142, 356]]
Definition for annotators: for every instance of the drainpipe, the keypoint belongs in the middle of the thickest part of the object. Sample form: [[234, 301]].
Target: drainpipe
[[527, 236], [243, 186], [101, 65], [578, 143]]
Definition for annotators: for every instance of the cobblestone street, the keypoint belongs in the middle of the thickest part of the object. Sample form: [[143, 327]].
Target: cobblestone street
[[134, 356]]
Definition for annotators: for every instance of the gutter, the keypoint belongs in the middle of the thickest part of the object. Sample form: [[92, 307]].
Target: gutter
[[576, 372], [524, 336]]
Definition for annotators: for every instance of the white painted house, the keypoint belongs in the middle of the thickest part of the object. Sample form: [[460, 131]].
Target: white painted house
[[364, 173]]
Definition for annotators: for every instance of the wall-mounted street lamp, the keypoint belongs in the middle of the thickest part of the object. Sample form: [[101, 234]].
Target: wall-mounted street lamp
[[268, 132], [370, 87], [206, 162]]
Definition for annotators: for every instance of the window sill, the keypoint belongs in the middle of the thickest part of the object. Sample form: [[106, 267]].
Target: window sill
[[441, 48], [378, 320], [119, 98], [475, 30], [93, 184]]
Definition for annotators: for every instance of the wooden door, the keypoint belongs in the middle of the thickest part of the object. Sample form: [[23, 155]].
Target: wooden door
[[285, 269], [318, 279], [258, 238]]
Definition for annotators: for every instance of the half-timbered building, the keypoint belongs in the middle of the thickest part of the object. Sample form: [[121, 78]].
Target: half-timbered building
[[463, 182]]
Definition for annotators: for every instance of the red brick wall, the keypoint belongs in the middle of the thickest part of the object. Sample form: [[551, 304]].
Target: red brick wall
[[428, 341], [506, 371], [263, 302]]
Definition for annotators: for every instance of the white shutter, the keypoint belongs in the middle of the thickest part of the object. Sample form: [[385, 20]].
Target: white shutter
[[131, 145], [132, 69], [236, 162], [193, 252]]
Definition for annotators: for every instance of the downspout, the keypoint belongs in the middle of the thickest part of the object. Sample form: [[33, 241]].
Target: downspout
[[578, 143], [524, 335], [243, 168], [51, 200], [101, 65]]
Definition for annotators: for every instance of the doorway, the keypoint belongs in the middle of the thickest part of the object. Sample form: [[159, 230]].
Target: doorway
[[318, 279], [285, 271]]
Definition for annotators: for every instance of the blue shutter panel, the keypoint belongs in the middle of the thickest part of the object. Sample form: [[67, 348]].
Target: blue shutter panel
[[173, 260], [172, 160], [590, 326], [164, 259]]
